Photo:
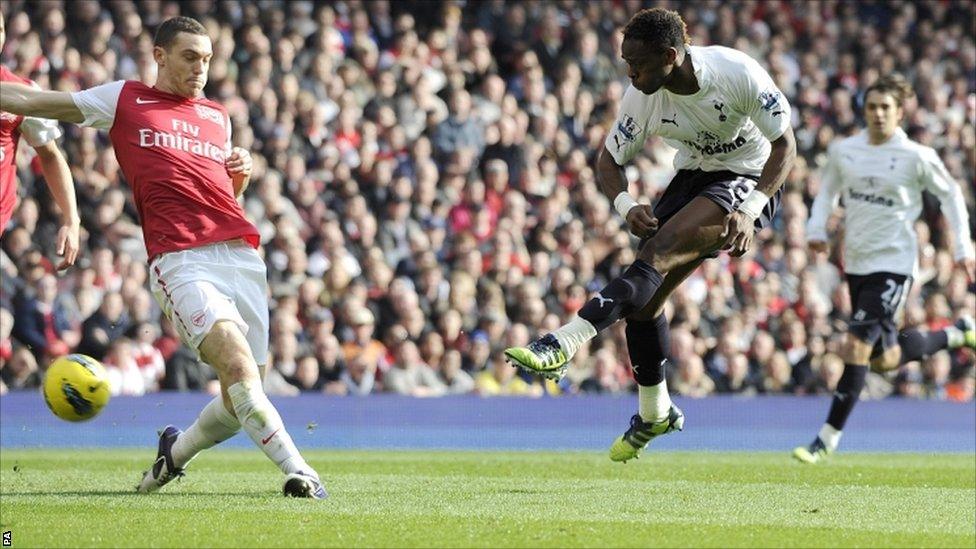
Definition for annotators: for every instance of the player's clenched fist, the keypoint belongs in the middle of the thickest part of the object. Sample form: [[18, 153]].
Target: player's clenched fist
[[738, 233], [641, 221], [239, 165]]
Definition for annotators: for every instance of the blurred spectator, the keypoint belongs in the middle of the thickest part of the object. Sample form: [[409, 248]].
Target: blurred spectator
[[456, 380], [306, 376], [123, 372], [736, 378], [330, 363], [604, 378], [360, 377], [362, 345], [147, 357], [500, 379], [41, 323], [777, 374], [103, 327], [691, 379], [21, 371], [460, 138], [410, 376]]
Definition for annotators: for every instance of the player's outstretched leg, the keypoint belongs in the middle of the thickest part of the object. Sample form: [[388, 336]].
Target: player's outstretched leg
[[693, 233], [630, 292], [226, 349], [263, 424], [176, 448]]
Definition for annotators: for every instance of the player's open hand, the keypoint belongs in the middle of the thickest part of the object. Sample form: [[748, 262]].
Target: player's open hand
[[738, 233], [641, 221], [818, 246], [67, 246], [968, 266], [239, 162]]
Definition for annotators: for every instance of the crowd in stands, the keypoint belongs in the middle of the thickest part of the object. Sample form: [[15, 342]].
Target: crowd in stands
[[424, 189]]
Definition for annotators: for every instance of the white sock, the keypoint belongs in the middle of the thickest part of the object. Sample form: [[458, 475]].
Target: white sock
[[954, 337], [655, 402], [572, 336], [213, 426], [263, 424], [830, 436]]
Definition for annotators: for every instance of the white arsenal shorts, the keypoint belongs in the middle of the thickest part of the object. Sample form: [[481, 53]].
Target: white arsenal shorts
[[222, 281]]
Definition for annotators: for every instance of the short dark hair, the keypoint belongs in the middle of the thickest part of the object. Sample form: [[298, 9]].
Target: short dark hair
[[894, 84], [658, 27], [168, 29]]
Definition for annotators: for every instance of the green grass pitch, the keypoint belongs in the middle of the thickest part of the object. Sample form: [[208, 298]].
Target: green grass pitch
[[231, 498]]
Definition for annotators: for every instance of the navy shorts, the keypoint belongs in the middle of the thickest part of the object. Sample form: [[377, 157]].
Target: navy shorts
[[726, 189], [877, 304]]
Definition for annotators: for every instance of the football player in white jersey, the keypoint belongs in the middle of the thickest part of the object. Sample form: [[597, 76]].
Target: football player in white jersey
[[881, 174], [731, 126]]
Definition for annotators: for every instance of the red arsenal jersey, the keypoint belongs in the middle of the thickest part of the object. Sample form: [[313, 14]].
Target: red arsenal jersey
[[171, 150], [38, 132]]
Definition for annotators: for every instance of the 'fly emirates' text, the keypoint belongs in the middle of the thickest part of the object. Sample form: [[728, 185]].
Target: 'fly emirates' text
[[179, 141]]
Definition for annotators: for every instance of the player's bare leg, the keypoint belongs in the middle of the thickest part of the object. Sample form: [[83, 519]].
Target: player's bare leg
[[694, 231]]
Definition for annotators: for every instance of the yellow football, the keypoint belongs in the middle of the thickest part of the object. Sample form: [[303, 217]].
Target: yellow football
[[76, 387]]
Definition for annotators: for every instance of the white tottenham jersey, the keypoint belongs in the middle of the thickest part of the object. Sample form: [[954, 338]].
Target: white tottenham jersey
[[726, 125], [882, 189]]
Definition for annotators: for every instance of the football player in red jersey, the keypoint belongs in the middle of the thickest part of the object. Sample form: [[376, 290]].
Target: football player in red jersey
[[174, 148], [40, 134]]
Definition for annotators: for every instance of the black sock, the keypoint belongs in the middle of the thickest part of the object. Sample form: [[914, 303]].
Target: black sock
[[845, 397], [649, 345], [625, 294], [917, 345]]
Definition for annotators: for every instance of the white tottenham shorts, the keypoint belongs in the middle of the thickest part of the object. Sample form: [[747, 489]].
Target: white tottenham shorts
[[224, 281]]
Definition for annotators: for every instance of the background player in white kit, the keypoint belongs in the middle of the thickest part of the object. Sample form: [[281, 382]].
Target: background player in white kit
[[731, 126], [881, 174], [173, 146]]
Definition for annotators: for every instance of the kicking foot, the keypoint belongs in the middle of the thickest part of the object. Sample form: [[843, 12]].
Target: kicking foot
[[630, 444], [163, 469], [543, 356]]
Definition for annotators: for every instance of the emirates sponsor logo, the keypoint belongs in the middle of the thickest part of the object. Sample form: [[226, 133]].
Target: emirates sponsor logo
[[184, 137]]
